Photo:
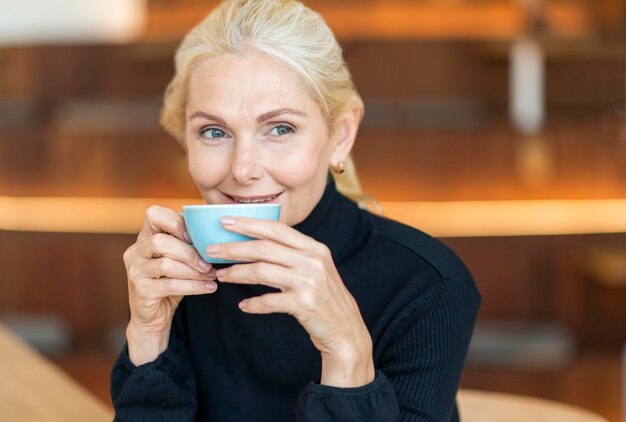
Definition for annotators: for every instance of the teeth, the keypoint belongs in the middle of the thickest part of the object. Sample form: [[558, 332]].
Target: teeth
[[255, 201]]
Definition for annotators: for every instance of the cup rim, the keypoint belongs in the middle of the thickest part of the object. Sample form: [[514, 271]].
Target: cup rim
[[228, 206]]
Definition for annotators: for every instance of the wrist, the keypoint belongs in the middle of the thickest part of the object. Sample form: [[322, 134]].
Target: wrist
[[349, 367], [144, 345]]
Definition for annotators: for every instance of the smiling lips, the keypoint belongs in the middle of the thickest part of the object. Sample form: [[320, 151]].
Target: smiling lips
[[253, 200]]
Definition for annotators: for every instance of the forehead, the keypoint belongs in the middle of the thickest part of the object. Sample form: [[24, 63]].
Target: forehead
[[254, 80]]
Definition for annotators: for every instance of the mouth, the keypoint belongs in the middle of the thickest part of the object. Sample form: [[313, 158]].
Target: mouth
[[270, 199]]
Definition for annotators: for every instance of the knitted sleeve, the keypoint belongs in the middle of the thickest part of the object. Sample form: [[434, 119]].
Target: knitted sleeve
[[418, 370], [162, 390]]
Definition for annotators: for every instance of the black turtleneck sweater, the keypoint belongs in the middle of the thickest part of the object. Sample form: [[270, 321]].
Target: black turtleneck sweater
[[416, 297]]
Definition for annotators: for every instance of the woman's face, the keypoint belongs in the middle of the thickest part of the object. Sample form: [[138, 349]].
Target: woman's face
[[254, 134]]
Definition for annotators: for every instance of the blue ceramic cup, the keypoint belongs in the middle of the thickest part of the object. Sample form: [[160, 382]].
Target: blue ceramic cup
[[204, 226]]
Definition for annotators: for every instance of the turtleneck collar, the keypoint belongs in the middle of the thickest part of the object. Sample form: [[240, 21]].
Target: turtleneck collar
[[336, 222]]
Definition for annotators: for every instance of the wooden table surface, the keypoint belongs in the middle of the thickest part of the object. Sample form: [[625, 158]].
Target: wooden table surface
[[483, 406], [34, 389]]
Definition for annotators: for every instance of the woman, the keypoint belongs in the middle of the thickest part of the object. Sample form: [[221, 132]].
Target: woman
[[339, 315]]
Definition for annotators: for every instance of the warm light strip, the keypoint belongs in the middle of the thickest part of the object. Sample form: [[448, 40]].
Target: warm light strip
[[419, 21], [441, 20], [512, 218], [78, 215], [405, 20], [442, 219]]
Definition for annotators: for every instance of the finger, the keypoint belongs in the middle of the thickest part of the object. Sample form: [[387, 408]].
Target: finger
[[165, 287], [267, 229], [268, 303], [256, 250], [164, 245], [163, 220], [171, 268], [263, 273]]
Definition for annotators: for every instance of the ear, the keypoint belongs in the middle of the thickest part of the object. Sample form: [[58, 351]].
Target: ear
[[344, 134]]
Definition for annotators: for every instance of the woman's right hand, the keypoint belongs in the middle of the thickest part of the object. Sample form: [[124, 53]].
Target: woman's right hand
[[162, 267]]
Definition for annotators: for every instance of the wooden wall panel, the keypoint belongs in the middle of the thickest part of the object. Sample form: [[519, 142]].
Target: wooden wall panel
[[18, 67], [545, 277], [586, 157], [80, 278]]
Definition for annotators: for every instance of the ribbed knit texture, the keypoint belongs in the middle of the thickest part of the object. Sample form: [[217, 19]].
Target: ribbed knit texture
[[417, 299]]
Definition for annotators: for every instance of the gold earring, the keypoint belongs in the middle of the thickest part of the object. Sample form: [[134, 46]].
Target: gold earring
[[339, 168]]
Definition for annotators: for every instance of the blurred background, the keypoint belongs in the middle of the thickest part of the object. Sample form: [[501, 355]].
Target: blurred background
[[497, 125]]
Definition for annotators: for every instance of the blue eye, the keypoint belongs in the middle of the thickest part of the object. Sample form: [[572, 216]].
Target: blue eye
[[213, 133], [282, 130]]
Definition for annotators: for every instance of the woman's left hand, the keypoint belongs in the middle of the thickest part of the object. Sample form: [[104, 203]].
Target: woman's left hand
[[311, 290]]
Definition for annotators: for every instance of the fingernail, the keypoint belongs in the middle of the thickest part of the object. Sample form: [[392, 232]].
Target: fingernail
[[228, 221], [211, 249], [220, 273], [187, 238], [211, 285], [204, 265], [243, 304]]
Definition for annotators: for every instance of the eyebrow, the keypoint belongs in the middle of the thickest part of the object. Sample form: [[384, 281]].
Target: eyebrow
[[207, 116], [275, 113], [263, 117]]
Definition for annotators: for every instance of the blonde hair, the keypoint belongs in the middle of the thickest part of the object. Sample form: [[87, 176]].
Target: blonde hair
[[285, 29]]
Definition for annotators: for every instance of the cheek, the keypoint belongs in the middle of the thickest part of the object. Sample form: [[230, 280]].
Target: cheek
[[205, 169], [301, 167]]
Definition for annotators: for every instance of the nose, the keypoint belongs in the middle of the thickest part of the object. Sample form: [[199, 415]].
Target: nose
[[246, 166]]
